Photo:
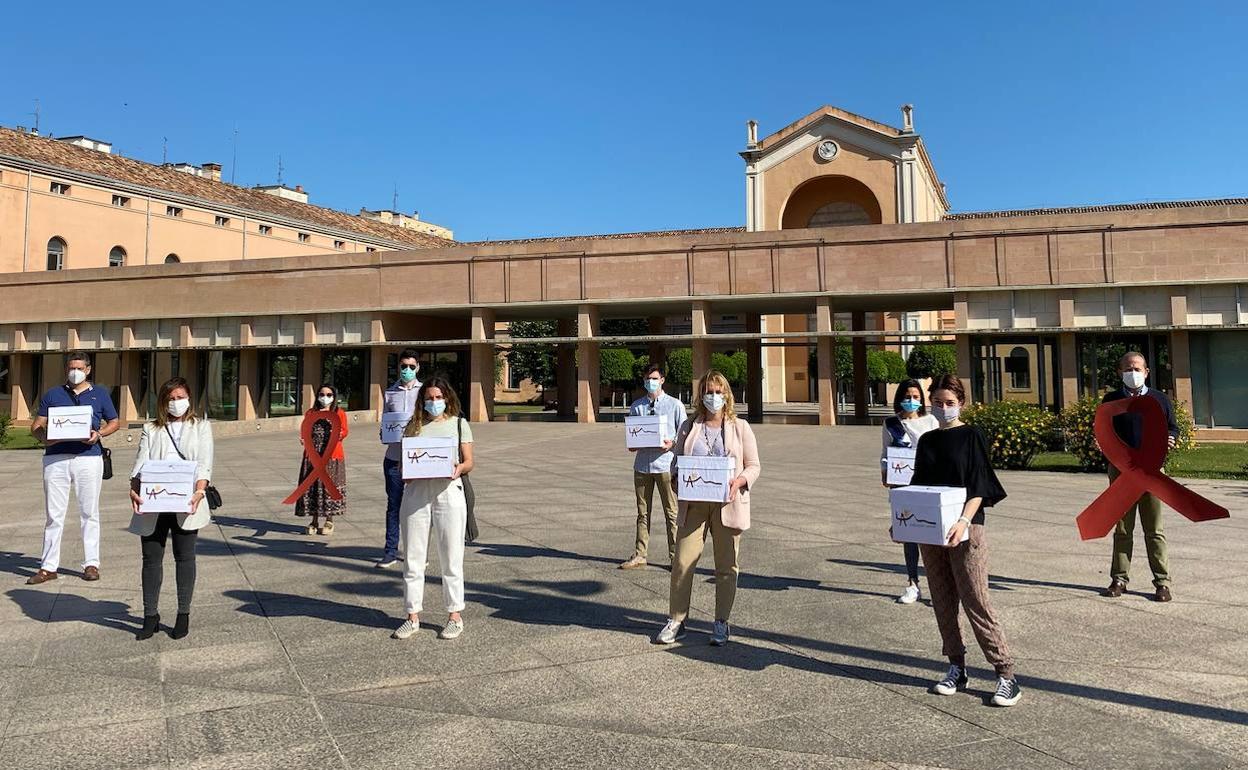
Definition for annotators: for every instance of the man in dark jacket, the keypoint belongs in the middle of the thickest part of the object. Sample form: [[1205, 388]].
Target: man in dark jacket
[[1129, 427]]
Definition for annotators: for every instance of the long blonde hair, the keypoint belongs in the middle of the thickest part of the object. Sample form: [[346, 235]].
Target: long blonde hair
[[713, 377], [417, 421]]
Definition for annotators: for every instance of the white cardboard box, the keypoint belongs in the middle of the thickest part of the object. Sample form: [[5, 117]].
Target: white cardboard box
[[647, 431], [71, 423], [703, 479], [428, 458], [899, 466], [926, 514], [166, 486], [392, 425]]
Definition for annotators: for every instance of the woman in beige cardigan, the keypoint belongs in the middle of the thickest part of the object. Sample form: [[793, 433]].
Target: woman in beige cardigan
[[714, 430], [175, 433]]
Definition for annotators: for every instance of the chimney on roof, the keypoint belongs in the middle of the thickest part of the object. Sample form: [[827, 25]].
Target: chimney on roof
[[212, 171], [298, 188], [751, 134], [907, 118]]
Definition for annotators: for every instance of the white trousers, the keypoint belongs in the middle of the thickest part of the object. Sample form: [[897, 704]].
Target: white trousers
[[85, 475], [440, 504]]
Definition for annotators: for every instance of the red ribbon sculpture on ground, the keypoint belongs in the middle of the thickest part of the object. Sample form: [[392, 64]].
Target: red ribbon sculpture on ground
[[319, 461], [1140, 469]]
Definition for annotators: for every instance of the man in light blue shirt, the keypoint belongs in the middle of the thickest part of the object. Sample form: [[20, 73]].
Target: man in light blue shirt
[[653, 467], [400, 398]]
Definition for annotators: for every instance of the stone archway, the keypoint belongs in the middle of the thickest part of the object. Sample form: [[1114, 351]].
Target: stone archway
[[830, 201]]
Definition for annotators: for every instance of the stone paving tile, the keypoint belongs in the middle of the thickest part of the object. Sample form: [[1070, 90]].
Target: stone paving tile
[[290, 664]]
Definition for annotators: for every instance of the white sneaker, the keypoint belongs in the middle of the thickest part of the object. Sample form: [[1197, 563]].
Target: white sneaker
[[408, 628], [719, 634], [386, 563], [672, 631], [911, 595], [452, 629]]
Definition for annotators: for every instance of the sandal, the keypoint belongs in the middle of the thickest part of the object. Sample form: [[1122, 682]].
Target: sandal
[[328, 528], [310, 529]]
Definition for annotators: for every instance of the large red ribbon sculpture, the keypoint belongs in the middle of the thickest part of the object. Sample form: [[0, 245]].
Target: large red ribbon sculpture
[[1140, 471], [319, 461]]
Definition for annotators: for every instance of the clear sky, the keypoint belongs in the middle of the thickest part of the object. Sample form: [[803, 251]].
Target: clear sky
[[505, 120]]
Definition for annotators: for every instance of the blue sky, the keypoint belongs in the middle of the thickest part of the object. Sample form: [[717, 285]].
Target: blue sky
[[507, 120]]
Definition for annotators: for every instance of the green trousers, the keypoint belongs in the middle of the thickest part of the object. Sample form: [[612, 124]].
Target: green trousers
[[1149, 509]]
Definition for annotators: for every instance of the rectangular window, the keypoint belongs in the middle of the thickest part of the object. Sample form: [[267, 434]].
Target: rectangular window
[[346, 369], [221, 221], [266, 230], [60, 188], [370, 249], [121, 200], [340, 244], [218, 384], [173, 211], [513, 378], [282, 385], [304, 237]]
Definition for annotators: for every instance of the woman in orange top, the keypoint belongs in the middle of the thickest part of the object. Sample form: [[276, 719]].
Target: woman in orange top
[[316, 502]]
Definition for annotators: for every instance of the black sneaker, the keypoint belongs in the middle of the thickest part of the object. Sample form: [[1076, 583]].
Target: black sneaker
[[1008, 692], [955, 680]]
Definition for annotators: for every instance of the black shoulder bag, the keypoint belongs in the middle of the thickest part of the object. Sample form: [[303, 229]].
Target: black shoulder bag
[[210, 492], [105, 452], [471, 533]]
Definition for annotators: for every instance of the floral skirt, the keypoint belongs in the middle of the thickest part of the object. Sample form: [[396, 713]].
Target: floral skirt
[[316, 501]]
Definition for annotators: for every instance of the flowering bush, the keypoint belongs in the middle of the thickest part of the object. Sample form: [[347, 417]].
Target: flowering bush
[[1016, 431], [1077, 422]]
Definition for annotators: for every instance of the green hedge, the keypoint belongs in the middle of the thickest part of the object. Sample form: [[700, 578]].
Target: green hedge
[[5, 422], [1016, 431]]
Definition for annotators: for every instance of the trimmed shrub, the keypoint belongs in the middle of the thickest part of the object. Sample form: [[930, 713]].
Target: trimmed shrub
[[932, 361], [5, 422], [885, 366], [1016, 431]]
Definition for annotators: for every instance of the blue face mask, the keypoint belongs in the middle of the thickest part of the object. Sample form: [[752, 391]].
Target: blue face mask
[[407, 375], [911, 405], [435, 407], [652, 385]]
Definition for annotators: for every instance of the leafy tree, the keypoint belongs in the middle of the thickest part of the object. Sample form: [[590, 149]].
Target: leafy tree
[[885, 366], [731, 365], [932, 361], [679, 368], [615, 367], [535, 360]]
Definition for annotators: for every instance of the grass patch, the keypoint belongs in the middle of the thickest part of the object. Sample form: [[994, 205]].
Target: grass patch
[[20, 438], [1206, 461]]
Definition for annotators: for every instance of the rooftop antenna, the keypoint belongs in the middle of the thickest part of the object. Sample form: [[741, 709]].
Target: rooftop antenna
[[234, 160], [164, 150], [394, 202], [36, 114], [280, 169]]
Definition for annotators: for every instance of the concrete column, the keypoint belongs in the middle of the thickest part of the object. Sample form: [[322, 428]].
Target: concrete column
[[1181, 360], [962, 346], [129, 382], [859, 323], [377, 378], [21, 385], [587, 365], [1068, 351], [701, 316], [825, 354], [248, 383], [565, 374], [481, 369], [188, 369], [658, 350], [311, 379], [754, 393]]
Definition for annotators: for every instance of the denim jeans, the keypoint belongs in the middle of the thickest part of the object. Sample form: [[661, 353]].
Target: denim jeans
[[394, 498]]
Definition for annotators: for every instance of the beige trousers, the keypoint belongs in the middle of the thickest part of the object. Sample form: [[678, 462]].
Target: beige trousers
[[690, 539]]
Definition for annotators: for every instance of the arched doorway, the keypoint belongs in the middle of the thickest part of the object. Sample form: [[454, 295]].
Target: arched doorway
[[830, 201]]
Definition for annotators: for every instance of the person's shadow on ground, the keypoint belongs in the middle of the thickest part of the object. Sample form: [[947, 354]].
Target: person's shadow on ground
[[38, 605]]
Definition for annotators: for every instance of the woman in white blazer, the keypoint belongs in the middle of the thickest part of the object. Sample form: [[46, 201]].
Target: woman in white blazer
[[174, 434], [713, 431]]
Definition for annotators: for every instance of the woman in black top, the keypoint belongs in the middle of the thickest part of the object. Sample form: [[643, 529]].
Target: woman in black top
[[956, 455]]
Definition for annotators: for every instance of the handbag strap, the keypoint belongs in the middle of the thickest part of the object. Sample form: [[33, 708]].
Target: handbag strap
[[174, 441], [459, 429]]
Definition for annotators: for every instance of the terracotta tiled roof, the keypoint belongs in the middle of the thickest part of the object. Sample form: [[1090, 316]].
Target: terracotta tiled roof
[[67, 156], [1098, 209], [614, 236]]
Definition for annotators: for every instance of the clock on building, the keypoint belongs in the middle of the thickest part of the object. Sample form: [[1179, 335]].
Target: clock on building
[[828, 149]]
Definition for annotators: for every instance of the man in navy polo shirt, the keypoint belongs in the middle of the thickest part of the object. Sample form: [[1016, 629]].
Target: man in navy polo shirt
[[73, 464]]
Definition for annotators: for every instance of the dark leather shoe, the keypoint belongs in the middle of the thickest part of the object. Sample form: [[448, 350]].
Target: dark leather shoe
[[42, 576], [91, 573], [1116, 589], [1163, 594]]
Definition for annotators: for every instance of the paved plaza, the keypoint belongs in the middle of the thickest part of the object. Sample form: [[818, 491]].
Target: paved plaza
[[290, 665]]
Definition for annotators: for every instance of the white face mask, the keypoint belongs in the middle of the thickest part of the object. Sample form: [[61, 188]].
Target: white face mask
[[77, 376], [1133, 380], [178, 406], [325, 400], [946, 414], [713, 401]]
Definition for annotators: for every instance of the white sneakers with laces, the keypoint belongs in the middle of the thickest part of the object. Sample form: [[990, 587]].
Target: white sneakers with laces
[[672, 631], [911, 595]]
